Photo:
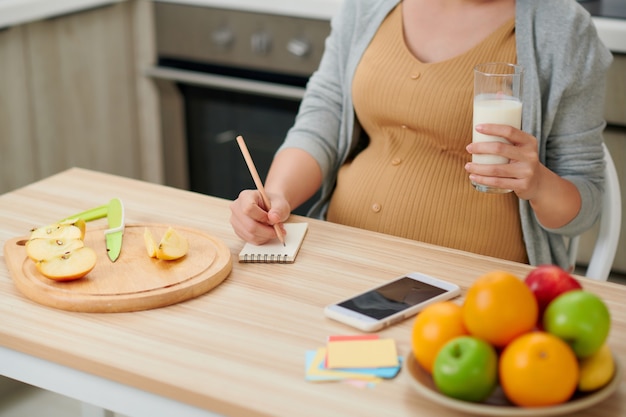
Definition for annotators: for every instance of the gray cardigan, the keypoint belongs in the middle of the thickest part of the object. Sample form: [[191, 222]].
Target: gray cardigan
[[564, 85]]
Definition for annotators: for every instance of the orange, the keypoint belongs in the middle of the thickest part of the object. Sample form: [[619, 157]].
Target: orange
[[538, 369], [499, 307], [433, 327]]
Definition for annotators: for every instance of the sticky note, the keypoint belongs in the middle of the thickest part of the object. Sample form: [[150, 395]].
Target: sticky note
[[344, 337], [384, 372], [362, 354], [315, 372]]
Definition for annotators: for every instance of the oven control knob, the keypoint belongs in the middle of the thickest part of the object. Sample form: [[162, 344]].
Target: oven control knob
[[299, 47], [261, 43], [223, 37]]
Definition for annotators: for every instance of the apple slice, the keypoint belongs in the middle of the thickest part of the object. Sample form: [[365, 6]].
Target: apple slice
[[151, 246], [172, 246], [58, 231], [40, 249], [68, 266], [78, 222]]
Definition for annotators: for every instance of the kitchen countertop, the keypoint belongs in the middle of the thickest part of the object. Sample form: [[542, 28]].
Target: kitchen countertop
[[316, 9], [12, 12], [605, 8], [612, 31], [15, 12]]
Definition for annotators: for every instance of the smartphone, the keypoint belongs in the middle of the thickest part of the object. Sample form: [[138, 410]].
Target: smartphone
[[392, 302]]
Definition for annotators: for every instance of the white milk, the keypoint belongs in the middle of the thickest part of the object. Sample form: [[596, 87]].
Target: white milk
[[505, 110]]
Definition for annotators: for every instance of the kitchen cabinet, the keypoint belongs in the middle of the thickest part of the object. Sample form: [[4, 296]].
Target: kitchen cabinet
[[17, 162], [73, 95]]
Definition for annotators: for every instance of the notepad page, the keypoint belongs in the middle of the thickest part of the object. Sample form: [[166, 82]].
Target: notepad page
[[274, 251]]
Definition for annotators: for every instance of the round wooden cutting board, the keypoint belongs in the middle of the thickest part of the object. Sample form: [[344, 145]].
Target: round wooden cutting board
[[134, 281]]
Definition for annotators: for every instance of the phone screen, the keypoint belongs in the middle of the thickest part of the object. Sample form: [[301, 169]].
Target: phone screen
[[392, 298]]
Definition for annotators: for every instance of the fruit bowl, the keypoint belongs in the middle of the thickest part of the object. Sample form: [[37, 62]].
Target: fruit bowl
[[497, 404]]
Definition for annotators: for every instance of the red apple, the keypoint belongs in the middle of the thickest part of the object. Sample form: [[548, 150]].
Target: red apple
[[548, 282]]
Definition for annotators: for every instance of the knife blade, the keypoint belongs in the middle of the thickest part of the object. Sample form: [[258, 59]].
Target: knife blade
[[114, 234]]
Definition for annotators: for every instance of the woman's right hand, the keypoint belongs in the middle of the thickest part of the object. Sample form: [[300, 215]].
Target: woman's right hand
[[252, 222]]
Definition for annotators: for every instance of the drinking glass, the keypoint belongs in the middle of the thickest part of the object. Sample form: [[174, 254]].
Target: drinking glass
[[497, 99]]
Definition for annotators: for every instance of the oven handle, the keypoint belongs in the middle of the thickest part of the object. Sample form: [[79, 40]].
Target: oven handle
[[226, 83]]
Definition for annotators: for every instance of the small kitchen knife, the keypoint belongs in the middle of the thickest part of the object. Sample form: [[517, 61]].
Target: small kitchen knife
[[113, 235], [114, 212], [91, 214]]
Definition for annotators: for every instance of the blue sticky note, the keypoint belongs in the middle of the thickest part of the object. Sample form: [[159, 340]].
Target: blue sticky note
[[311, 365], [315, 372], [309, 358], [386, 372]]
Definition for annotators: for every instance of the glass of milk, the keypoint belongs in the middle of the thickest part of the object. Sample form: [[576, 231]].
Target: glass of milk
[[497, 99]]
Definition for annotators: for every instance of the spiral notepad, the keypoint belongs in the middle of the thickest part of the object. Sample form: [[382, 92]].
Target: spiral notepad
[[274, 252]]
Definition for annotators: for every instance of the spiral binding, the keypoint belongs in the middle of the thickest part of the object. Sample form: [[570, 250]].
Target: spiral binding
[[266, 258]]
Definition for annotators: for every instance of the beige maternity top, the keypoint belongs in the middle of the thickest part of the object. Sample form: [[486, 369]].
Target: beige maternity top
[[410, 181]]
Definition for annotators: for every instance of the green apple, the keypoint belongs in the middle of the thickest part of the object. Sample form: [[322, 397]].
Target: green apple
[[581, 319], [466, 368]]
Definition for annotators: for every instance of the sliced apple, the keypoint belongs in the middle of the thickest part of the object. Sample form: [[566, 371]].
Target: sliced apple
[[68, 266], [39, 249], [172, 246], [58, 231], [59, 251], [78, 222], [151, 246]]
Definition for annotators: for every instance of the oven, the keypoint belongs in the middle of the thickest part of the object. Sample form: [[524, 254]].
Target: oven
[[222, 73]]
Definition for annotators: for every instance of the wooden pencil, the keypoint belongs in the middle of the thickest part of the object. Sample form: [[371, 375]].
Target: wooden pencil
[[258, 183]]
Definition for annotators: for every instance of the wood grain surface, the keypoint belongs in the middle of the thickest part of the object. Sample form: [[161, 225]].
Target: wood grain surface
[[239, 349], [133, 282]]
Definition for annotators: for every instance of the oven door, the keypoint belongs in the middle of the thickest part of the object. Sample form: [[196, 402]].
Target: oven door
[[203, 112]]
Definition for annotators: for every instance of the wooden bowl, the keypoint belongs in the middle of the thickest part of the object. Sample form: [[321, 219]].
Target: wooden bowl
[[497, 404]]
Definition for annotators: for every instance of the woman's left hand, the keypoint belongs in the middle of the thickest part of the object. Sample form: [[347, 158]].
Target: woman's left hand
[[555, 200], [523, 172]]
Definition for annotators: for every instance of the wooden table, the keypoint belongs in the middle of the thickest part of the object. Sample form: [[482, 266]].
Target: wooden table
[[239, 349]]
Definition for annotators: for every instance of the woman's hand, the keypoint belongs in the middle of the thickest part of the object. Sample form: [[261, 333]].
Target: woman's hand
[[250, 219], [555, 200], [522, 174]]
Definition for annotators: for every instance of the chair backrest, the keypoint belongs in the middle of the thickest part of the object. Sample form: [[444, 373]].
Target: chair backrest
[[610, 220]]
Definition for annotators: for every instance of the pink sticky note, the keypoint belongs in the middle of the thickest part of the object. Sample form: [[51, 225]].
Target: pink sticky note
[[346, 337]]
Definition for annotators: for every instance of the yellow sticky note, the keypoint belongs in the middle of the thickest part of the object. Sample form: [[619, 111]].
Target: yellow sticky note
[[362, 354], [315, 373]]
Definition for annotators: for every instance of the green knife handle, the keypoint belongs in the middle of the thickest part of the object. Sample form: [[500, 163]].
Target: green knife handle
[[91, 214]]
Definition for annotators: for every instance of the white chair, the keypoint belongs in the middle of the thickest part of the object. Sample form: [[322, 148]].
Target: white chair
[[610, 220]]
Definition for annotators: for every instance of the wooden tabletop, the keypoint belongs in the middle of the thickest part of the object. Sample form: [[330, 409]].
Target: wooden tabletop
[[239, 349]]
